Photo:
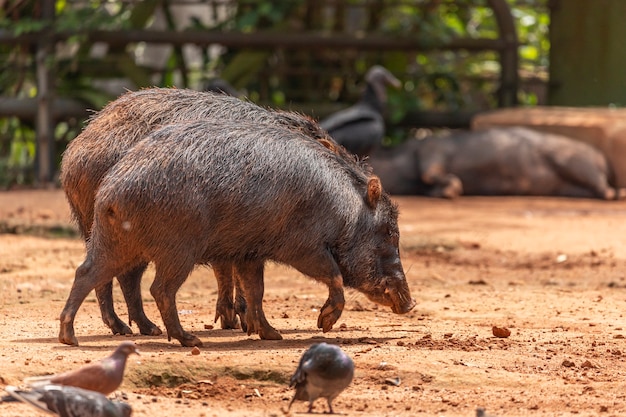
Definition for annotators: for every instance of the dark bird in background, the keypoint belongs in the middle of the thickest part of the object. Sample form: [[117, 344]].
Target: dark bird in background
[[324, 371], [218, 85], [104, 376], [66, 401], [361, 127]]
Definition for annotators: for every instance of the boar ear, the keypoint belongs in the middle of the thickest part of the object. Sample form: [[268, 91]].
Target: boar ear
[[328, 145], [374, 191]]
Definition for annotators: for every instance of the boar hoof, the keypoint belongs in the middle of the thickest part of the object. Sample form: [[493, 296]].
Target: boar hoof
[[119, 327], [453, 189], [269, 333], [244, 325], [228, 319], [243, 321], [328, 317], [610, 194], [241, 311], [152, 331], [68, 339], [230, 324], [149, 329], [190, 340]]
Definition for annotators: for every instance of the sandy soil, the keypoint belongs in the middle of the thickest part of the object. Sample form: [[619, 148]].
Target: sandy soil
[[552, 271]]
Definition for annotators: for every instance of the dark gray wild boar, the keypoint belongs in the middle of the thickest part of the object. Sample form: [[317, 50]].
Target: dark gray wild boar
[[175, 197], [117, 128], [501, 161]]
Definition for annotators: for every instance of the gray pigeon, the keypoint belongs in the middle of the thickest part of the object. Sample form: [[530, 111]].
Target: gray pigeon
[[68, 401], [324, 371], [480, 412], [104, 376]]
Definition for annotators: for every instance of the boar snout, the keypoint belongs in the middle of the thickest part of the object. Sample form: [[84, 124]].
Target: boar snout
[[392, 292], [403, 307]]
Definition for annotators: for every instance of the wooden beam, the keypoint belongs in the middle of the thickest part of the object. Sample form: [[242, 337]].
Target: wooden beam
[[268, 40]]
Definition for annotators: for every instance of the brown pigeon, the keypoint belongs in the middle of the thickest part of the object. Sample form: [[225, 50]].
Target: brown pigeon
[[324, 371], [104, 376], [66, 401]]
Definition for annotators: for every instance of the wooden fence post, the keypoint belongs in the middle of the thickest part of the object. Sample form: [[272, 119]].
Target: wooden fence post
[[45, 164]]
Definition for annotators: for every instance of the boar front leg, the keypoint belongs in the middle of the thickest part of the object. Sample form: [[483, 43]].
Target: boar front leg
[[333, 307], [444, 184], [322, 266]]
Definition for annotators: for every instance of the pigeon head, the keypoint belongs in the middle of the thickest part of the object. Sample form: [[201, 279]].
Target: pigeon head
[[126, 348]]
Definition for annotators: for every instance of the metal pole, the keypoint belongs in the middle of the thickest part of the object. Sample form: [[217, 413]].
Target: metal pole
[[45, 161]]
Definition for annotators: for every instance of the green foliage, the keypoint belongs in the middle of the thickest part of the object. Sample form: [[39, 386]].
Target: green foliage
[[254, 15], [432, 79], [18, 144], [532, 28], [73, 67], [89, 15]]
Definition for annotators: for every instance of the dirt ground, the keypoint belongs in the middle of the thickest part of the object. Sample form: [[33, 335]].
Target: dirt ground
[[552, 271]]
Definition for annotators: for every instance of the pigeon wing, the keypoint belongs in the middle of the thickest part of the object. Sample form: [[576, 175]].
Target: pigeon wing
[[351, 115], [34, 398], [83, 403], [100, 377]]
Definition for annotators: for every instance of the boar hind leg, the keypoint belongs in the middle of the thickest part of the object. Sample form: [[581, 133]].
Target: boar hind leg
[[585, 172], [130, 284], [107, 310], [225, 308], [89, 275], [250, 276], [168, 279]]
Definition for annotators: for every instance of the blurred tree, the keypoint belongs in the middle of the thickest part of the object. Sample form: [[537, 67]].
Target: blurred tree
[[588, 60]]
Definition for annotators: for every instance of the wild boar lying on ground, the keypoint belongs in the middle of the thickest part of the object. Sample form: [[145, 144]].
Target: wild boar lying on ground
[[500, 161]]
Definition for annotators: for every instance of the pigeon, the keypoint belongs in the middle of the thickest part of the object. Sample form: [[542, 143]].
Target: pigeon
[[480, 412], [324, 371], [104, 376], [66, 401], [361, 127]]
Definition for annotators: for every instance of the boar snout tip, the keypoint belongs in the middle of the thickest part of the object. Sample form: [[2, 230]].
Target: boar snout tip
[[405, 308]]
